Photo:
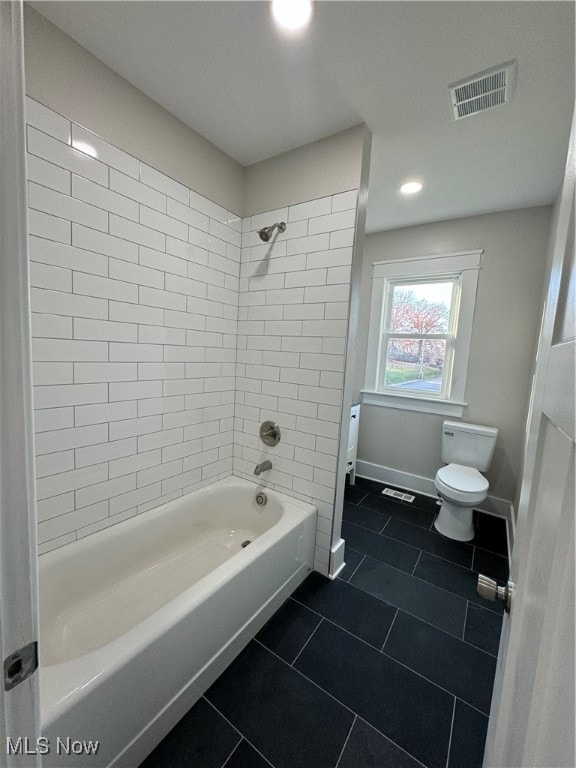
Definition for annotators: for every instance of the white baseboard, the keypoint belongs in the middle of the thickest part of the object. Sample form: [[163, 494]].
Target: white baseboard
[[396, 477], [336, 559], [492, 504]]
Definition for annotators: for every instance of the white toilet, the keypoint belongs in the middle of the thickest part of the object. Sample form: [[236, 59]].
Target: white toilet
[[466, 448]]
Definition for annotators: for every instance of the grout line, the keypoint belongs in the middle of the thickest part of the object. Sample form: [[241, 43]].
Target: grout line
[[307, 641], [345, 706], [346, 741], [455, 594], [396, 661], [416, 563], [386, 523], [472, 706], [308, 679], [431, 682], [231, 753], [372, 647], [240, 734], [389, 630], [465, 620], [451, 731], [334, 624], [405, 610], [354, 572], [409, 754]]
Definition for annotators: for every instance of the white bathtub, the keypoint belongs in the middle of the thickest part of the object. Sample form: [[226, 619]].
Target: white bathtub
[[136, 621]]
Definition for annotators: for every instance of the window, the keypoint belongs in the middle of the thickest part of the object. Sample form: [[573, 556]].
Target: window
[[420, 331]]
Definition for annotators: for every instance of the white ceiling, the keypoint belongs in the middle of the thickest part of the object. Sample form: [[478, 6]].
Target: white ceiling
[[223, 69]]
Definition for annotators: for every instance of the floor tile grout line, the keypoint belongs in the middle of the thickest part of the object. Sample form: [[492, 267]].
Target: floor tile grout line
[[334, 698], [390, 538], [434, 626], [334, 624], [305, 677], [389, 630], [451, 732], [465, 620], [405, 751], [355, 569], [346, 741], [307, 641], [391, 605], [414, 576], [386, 524], [413, 546], [472, 706], [231, 753], [239, 732], [341, 703], [240, 735], [355, 587], [416, 563], [492, 552], [374, 648], [437, 685], [397, 517]]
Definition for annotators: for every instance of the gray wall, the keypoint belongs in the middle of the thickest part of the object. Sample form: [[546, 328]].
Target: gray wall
[[65, 77], [506, 322], [321, 168]]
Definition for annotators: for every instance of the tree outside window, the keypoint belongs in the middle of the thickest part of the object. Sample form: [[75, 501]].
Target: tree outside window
[[417, 339]]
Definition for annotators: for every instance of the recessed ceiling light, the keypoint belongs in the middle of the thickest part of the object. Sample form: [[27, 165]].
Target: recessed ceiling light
[[411, 187], [292, 15]]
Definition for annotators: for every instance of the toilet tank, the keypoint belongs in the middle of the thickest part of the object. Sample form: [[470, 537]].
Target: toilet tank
[[469, 444]]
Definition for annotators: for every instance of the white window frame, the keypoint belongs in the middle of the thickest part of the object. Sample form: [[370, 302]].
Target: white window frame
[[463, 267]]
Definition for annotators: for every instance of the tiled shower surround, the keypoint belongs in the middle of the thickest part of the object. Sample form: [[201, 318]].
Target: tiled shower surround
[[165, 331], [292, 327]]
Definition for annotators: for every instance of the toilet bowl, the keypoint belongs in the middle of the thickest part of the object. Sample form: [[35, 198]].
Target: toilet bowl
[[467, 450], [461, 488]]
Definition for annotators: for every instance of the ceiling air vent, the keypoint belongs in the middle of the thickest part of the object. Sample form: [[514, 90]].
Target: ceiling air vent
[[482, 91]]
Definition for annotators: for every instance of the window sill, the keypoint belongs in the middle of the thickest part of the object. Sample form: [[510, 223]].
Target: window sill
[[406, 402]]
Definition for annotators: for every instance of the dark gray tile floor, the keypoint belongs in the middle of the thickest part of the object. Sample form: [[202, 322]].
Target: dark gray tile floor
[[391, 665]]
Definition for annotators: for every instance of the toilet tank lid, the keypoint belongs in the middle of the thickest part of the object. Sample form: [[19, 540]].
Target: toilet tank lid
[[476, 429], [463, 478]]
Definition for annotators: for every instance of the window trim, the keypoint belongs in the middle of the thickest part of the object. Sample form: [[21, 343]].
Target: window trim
[[466, 265]]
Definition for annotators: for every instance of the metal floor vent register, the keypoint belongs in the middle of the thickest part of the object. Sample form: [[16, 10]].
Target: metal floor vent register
[[398, 495]]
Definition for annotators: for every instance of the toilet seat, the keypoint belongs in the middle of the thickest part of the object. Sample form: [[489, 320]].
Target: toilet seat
[[462, 484]]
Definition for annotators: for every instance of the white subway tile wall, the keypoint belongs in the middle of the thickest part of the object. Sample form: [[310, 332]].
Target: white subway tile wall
[[165, 332], [134, 299], [292, 328]]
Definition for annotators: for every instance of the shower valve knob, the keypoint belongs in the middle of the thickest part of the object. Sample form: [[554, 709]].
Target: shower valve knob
[[270, 433]]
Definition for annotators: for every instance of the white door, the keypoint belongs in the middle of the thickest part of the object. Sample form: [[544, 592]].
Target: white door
[[532, 716], [19, 701]]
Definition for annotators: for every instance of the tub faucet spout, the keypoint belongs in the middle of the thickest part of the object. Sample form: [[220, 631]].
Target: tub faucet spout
[[265, 465]]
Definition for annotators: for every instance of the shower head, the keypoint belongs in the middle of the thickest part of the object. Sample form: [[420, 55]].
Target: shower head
[[266, 232]]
